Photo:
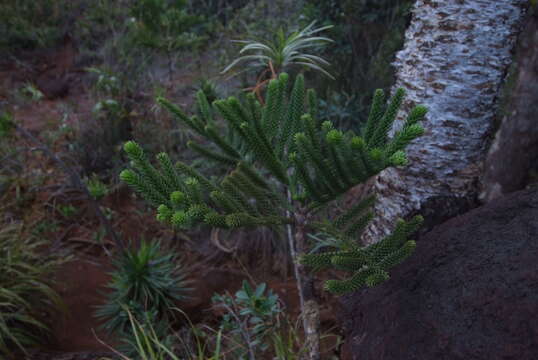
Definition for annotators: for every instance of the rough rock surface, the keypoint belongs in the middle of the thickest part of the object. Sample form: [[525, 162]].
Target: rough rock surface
[[455, 56], [514, 152], [469, 292]]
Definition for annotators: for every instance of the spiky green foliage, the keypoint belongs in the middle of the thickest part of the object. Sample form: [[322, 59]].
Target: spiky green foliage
[[368, 265], [285, 51], [26, 292], [270, 149], [165, 25], [143, 321], [147, 279]]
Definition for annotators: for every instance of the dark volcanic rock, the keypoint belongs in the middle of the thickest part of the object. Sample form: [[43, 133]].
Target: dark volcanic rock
[[514, 153], [470, 291]]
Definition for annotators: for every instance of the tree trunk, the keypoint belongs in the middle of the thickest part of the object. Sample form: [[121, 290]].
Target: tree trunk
[[515, 150], [455, 57], [307, 292]]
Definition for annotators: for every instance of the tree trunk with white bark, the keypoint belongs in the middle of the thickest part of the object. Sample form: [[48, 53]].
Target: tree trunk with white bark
[[454, 60]]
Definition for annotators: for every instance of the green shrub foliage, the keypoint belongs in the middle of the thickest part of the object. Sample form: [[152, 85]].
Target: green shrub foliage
[[28, 24], [164, 24], [273, 148], [145, 282], [252, 316]]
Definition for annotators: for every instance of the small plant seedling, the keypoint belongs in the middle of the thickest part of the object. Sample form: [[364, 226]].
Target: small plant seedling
[[67, 211], [96, 187], [252, 316], [5, 124], [32, 92]]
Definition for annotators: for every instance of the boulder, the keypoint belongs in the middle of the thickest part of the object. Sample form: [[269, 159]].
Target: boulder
[[470, 291]]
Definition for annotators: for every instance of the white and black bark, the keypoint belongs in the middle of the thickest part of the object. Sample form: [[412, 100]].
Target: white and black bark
[[455, 56]]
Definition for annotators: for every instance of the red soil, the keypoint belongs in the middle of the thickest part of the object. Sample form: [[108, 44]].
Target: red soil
[[80, 285]]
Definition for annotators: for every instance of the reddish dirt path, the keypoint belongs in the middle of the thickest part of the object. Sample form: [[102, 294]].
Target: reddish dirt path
[[80, 284]]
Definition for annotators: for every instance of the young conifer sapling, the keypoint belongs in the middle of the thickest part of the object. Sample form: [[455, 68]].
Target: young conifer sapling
[[285, 166]]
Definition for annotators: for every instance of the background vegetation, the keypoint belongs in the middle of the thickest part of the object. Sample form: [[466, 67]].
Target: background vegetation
[[115, 57]]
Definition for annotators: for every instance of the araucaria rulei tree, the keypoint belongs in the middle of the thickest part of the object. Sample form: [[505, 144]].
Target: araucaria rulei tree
[[286, 165]]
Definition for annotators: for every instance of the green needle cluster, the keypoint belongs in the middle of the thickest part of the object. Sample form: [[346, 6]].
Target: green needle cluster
[[368, 265], [271, 149]]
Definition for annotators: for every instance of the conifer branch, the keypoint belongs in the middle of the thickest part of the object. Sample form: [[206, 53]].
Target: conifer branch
[[305, 179], [350, 261], [214, 219], [204, 108], [252, 174], [198, 211], [263, 202], [221, 142], [359, 225], [169, 171], [380, 133], [152, 195], [314, 158], [345, 219], [229, 186], [374, 117], [369, 265], [402, 138], [295, 110], [180, 115], [284, 139], [226, 111], [271, 110], [335, 139], [226, 160], [281, 109], [190, 172], [148, 174], [313, 104], [264, 154]]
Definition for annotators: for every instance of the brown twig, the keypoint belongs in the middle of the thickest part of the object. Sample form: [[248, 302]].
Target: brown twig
[[260, 83]]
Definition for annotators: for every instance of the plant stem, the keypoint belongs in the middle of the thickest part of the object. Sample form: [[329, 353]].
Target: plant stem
[[305, 286], [310, 306]]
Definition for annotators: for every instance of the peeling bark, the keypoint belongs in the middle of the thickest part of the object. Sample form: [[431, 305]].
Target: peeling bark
[[455, 56]]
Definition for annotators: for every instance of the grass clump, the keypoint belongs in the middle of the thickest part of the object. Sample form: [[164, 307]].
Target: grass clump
[[26, 293]]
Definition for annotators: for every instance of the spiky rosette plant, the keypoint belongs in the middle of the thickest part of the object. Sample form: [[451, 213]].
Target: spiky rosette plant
[[286, 165], [146, 279], [285, 51]]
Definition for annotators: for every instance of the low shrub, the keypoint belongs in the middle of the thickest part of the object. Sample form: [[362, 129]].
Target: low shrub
[[250, 318], [27, 24]]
